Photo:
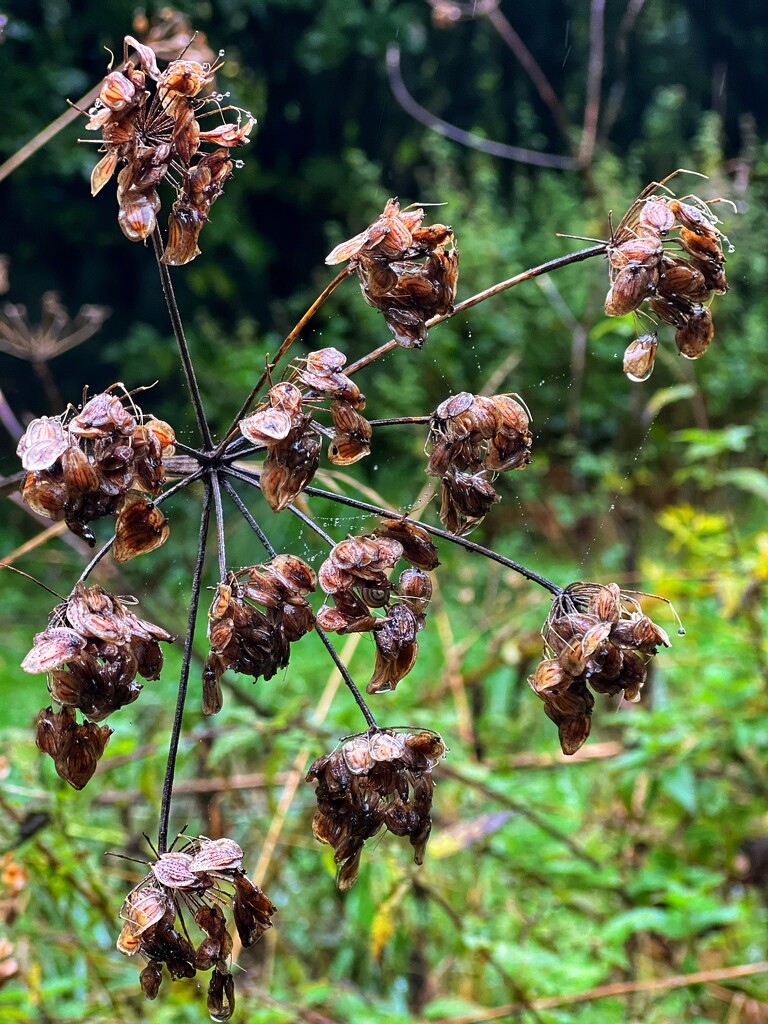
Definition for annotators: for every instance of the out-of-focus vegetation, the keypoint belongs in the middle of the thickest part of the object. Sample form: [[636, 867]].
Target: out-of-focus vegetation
[[544, 877]]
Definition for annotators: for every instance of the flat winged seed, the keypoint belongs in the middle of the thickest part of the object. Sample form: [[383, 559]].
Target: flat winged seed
[[144, 907], [549, 675], [174, 871], [53, 648], [217, 857], [140, 527], [252, 910], [428, 743], [386, 746], [357, 755]]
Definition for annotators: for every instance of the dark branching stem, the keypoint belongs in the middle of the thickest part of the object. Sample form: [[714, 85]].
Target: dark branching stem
[[271, 551], [289, 340], [351, 686], [312, 525], [486, 293], [194, 601], [252, 477], [105, 548], [349, 681], [181, 341], [222, 552]]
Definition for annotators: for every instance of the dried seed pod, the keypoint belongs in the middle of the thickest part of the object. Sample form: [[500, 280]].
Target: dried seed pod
[[639, 357], [252, 910], [140, 528], [75, 749], [219, 858], [631, 285], [221, 995], [694, 337], [151, 978], [417, 546], [43, 443], [549, 675], [56, 646], [174, 871], [656, 216]]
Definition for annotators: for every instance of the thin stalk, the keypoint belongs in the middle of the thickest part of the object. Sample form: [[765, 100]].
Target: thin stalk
[[194, 600], [272, 552], [312, 525], [527, 275], [349, 681], [181, 341], [469, 545], [359, 699], [289, 340], [222, 552], [180, 485], [396, 420]]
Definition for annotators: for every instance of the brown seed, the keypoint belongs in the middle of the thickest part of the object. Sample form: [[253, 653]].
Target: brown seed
[[140, 527], [694, 337], [639, 357]]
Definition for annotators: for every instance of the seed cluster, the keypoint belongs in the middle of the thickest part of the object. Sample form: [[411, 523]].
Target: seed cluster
[[378, 779], [97, 462], [194, 877], [150, 124], [472, 436], [646, 265], [407, 271], [596, 636], [355, 577], [93, 650], [251, 641]]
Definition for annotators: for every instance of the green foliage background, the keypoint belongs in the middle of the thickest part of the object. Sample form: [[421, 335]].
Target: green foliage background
[[543, 878]]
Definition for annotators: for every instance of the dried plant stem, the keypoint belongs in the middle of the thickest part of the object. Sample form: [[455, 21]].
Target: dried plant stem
[[469, 545], [594, 79], [105, 548], [350, 683], [359, 699], [618, 988], [450, 131], [44, 137], [194, 600], [527, 275], [397, 420], [181, 341], [289, 340], [222, 553], [531, 67], [271, 551]]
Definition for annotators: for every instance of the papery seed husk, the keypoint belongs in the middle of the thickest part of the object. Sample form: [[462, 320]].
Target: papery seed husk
[[694, 337], [639, 357], [140, 528], [549, 675], [55, 647], [151, 978]]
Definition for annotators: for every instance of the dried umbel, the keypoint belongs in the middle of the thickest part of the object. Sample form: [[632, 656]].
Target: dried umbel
[[595, 637], [151, 129], [646, 266], [356, 577], [377, 779], [470, 437], [93, 650], [85, 465], [203, 876], [246, 639], [407, 271]]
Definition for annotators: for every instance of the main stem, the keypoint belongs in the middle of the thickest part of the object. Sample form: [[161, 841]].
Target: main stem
[[181, 341], [194, 600]]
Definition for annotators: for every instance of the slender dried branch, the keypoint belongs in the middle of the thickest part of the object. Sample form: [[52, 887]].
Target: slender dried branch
[[450, 131], [50, 131], [594, 81], [181, 341], [618, 988], [194, 600], [289, 340], [531, 67], [527, 275]]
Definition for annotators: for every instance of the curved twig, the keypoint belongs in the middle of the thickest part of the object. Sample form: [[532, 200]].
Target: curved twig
[[450, 131]]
